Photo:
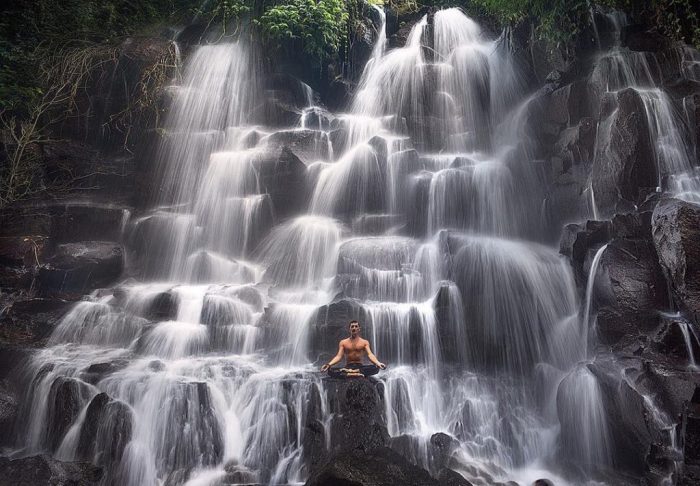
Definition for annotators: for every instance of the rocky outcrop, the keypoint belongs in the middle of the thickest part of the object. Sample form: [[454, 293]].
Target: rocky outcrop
[[624, 168], [630, 290], [81, 267], [676, 231], [66, 398], [30, 321], [332, 326], [357, 405], [381, 467], [690, 427], [106, 430], [44, 470], [578, 240]]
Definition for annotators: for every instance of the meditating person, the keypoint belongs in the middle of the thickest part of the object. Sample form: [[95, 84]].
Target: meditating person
[[354, 348]]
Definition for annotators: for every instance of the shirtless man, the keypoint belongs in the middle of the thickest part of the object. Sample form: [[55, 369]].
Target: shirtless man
[[354, 348]]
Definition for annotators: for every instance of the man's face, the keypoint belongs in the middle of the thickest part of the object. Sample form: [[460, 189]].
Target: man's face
[[354, 329]]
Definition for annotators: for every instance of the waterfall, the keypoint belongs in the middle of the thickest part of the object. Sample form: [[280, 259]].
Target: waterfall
[[416, 208], [667, 123], [590, 286]]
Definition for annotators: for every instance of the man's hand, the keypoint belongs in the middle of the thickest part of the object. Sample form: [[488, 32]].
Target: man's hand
[[381, 365], [325, 367]]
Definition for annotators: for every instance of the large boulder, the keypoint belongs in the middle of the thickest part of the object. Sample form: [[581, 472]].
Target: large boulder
[[282, 175], [624, 169], [676, 232], [357, 408], [43, 470], [381, 467], [630, 290], [106, 430], [67, 397], [82, 267]]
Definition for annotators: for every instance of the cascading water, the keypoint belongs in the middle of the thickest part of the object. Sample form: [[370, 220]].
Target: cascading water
[[666, 119], [419, 214]]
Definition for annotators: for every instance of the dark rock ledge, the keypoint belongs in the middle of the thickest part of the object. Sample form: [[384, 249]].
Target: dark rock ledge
[[361, 454]]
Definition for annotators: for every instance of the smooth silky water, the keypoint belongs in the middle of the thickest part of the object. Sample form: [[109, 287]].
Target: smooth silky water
[[479, 325]]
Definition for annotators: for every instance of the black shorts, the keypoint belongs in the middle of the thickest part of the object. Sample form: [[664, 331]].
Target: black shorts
[[366, 370]]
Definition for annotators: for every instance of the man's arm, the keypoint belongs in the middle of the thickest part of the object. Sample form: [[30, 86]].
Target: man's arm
[[373, 358], [336, 359]]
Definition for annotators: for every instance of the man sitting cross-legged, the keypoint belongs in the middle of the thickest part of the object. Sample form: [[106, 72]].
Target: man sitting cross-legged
[[354, 348]]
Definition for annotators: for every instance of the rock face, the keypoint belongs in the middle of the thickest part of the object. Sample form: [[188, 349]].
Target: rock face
[[359, 455], [8, 413], [691, 446], [358, 424], [35, 470], [381, 467], [676, 231], [624, 164], [630, 290], [81, 267], [106, 431], [29, 321]]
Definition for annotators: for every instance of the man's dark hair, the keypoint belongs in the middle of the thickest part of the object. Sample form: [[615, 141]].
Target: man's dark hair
[[352, 322]]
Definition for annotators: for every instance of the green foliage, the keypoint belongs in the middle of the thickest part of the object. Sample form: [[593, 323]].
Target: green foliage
[[223, 11], [561, 20], [320, 25]]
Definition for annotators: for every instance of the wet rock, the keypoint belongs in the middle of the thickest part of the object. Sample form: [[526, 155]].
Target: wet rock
[[95, 372], [578, 240], [630, 290], [441, 448], [163, 307], [307, 145], [377, 224], [332, 325], [292, 90], [690, 430], [626, 417], [81, 267], [676, 233], [543, 482], [44, 470], [105, 432], [84, 221], [283, 176], [317, 119], [636, 38], [451, 343], [66, 399], [274, 112], [357, 407], [575, 145], [192, 434], [381, 467], [31, 321], [624, 167], [636, 225], [448, 477]]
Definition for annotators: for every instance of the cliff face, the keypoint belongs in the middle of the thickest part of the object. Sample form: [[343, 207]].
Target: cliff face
[[596, 142]]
